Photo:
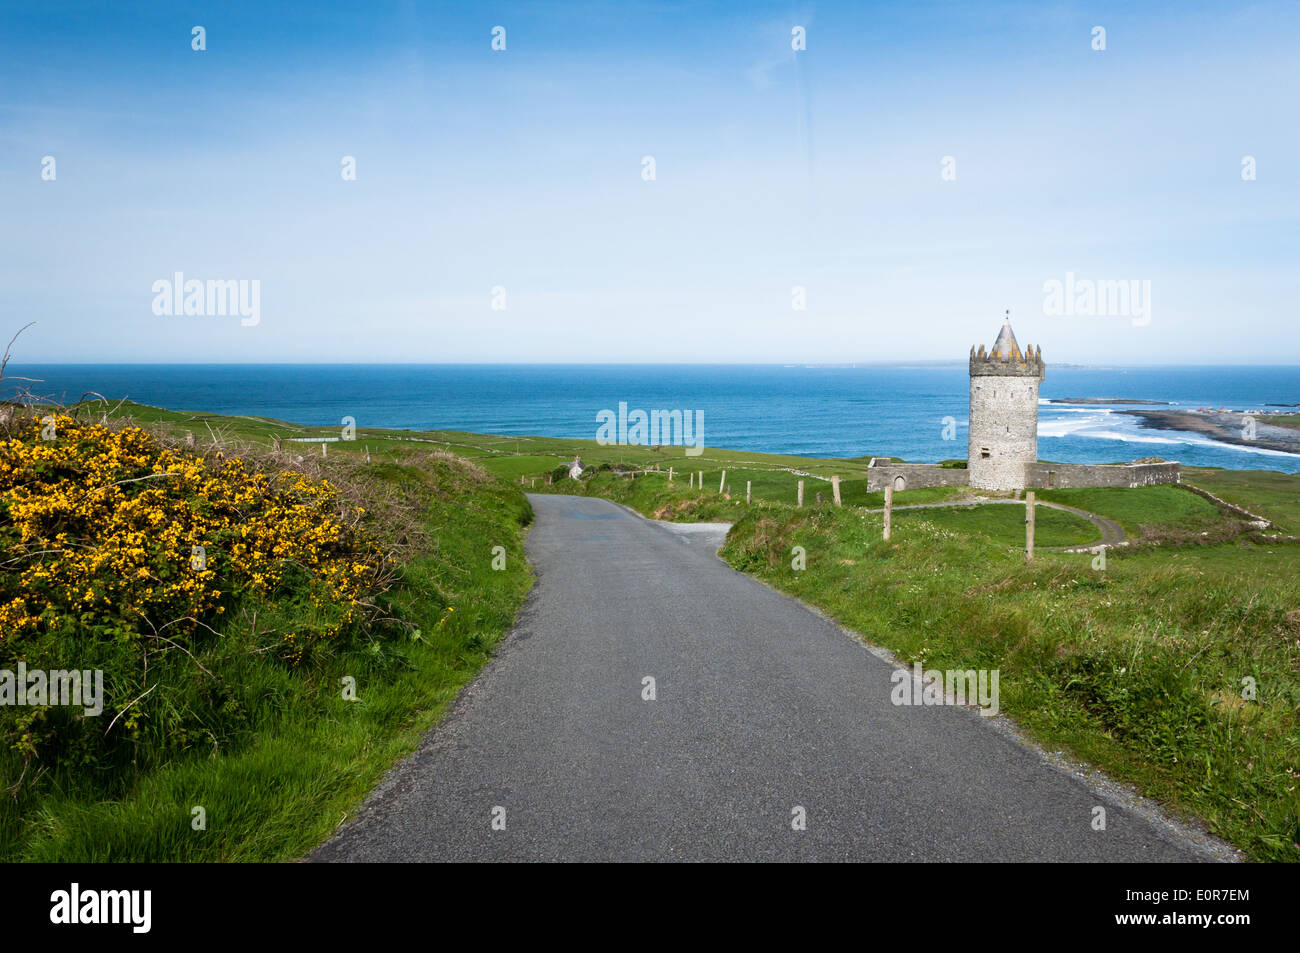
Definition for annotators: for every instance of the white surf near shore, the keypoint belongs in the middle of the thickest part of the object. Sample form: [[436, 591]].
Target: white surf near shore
[[1095, 422]]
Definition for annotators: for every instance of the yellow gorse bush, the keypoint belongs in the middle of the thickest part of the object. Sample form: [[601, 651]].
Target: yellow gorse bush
[[104, 527]]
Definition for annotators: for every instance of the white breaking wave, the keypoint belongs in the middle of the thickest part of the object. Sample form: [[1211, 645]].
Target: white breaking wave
[[1083, 410], [1071, 426], [1130, 437], [1265, 451], [1099, 427]]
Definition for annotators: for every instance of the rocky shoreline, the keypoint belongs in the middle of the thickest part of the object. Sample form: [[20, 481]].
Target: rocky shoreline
[[1223, 426]]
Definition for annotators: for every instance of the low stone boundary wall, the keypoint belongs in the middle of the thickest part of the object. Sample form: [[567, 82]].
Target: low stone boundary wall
[[1258, 521], [1044, 476], [915, 476]]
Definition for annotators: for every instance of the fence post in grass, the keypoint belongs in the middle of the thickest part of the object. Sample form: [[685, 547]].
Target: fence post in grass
[[723, 482], [800, 493], [670, 474], [748, 485], [691, 485], [324, 450], [367, 453], [1029, 526], [835, 489], [701, 481], [889, 508]]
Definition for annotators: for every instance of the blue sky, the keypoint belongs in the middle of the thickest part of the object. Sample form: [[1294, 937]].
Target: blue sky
[[774, 168]]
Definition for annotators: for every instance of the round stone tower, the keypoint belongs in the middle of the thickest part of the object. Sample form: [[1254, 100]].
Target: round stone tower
[[1003, 412]]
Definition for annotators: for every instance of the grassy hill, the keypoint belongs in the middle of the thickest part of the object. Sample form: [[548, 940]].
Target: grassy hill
[[229, 732]]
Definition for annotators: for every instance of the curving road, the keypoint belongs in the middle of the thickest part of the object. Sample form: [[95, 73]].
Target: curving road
[[761, 708]]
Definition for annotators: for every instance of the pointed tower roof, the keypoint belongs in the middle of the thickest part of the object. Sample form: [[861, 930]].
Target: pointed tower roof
[[1006, 359], [1005, 347]]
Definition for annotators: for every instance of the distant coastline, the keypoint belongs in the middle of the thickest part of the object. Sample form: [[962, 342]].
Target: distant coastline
[[1106, 400], [1223, 426]]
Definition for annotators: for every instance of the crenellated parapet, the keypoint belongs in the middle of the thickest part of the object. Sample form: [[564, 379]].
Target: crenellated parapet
[[1007, 360]]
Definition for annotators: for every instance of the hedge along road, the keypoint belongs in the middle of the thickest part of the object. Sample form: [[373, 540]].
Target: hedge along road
[[763, 713]]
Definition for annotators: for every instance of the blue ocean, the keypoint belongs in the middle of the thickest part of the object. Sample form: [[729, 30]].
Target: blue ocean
[[826, 411]]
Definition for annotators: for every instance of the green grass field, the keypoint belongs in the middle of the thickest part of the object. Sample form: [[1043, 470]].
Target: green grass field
[[1003, 525], [1148, 509], [1283, 420], [1274, 496]]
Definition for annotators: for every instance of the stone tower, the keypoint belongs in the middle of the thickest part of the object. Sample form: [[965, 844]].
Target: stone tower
[[1003, 412]]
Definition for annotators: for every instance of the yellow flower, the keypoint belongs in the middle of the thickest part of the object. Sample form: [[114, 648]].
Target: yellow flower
[[93, 527]]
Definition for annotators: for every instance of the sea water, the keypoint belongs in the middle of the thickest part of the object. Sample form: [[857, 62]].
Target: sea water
[[914, 411]]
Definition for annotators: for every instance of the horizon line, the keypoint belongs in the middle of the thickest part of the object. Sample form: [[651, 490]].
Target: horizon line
[[944, 362]]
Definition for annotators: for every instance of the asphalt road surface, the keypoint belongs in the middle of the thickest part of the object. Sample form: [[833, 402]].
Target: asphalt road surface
[[764, 712]]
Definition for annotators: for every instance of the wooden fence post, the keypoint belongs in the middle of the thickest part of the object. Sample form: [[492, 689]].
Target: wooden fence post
[[748, 484], [670, 474], [889, 508], [723, 482], [801, 493], [835, 489], [1029, 526]]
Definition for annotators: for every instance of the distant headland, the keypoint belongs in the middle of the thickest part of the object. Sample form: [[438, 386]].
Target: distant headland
[[1267, 431], [1104, 400]]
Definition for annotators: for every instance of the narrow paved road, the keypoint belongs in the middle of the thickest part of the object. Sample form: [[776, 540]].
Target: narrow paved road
[[761, 707]]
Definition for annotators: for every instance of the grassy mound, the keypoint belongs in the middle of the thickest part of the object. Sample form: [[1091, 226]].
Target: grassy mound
[[271, 634]]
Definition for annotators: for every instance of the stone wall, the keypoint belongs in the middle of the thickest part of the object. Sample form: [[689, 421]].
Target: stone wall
[[1034, 476], [914, 475], [1074, 475]]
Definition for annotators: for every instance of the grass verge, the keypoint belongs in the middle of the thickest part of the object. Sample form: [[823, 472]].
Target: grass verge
[[249, 753]]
